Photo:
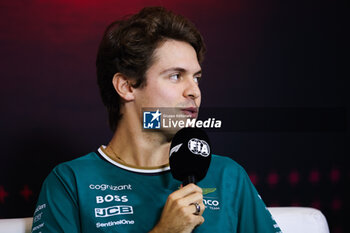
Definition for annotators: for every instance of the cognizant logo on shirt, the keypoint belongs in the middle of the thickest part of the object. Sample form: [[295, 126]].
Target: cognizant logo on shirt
[[104, 187]]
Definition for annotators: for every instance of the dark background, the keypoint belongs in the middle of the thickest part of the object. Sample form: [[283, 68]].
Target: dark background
[[276, 60]]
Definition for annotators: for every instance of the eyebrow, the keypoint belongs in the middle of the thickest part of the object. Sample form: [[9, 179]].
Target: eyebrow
[[179, 69]]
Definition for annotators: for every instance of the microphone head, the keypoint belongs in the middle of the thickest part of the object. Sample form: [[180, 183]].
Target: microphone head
[[190, 154]]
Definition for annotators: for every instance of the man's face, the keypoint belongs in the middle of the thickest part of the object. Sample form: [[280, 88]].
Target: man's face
[[172, 80]]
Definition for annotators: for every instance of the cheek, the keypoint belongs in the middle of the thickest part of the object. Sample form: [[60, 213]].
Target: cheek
[[167, 96], [160, 96]]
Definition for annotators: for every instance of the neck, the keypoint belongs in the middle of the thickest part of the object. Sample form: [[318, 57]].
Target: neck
[[138, 148]]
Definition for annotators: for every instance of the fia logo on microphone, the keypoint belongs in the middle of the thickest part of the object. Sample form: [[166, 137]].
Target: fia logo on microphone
[[199, 147], [151, 119]]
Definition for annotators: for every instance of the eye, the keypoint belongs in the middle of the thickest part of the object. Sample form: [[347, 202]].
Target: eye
[[174, 77], [197, 79]]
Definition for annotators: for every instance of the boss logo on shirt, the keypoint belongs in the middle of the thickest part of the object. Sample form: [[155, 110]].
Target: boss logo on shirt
[[110, 198], [113, 210]]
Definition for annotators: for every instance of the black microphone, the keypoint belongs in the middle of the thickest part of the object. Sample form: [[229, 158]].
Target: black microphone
[[189, 155]]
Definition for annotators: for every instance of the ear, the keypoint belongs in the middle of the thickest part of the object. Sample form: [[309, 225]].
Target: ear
[[123, 87]]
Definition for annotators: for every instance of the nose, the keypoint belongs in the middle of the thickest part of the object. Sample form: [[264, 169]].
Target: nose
[[192, 90]]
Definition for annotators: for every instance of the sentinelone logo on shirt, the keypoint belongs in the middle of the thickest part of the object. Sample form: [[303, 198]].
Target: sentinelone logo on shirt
[[173, 118]]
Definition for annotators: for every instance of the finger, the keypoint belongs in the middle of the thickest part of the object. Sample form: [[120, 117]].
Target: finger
[[197, 208], [201, 208], [199, 220], [188, 189], [193, 187], [192, 198], [192, 209]]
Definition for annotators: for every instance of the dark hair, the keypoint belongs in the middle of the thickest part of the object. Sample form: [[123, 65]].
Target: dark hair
[[127, 48]]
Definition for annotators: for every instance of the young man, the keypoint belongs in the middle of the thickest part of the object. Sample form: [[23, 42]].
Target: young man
[[151, 59]]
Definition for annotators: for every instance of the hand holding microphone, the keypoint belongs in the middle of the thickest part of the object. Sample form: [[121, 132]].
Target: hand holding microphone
[[178, 214], [190, 158]]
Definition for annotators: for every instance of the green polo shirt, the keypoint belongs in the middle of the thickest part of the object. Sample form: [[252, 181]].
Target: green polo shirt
[[96, 194]]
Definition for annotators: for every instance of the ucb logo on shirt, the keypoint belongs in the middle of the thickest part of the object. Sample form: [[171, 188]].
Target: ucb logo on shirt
[[151, 119], [113, 210], [199, 147]]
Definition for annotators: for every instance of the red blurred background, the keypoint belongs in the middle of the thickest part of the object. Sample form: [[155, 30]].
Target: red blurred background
[[261, 54]]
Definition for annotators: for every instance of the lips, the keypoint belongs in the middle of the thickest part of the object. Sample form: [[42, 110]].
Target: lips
[[191, 111]]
